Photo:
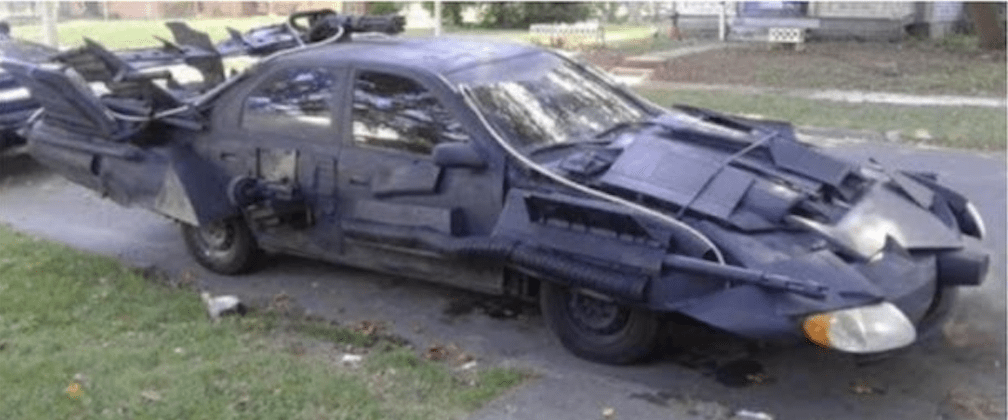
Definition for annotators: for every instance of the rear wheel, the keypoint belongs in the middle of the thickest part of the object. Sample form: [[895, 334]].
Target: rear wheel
[[597, 328], [225, 246]]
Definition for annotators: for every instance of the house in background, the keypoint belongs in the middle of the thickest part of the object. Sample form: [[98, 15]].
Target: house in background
[[744, 19], [823, 20]]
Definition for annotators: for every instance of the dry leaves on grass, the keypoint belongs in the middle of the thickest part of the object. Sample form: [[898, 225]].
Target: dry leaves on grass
[[369, 328], [185, 279], [450, 352], [281, 303]]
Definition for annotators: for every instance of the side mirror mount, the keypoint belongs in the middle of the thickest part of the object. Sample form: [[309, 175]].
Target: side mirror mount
[[458, 155]]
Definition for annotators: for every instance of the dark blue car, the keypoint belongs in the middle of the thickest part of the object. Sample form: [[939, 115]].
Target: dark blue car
[[512, 170]]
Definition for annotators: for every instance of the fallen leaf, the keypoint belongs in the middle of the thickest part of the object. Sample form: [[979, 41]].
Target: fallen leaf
[[369, 328], [73, 390], [280, 303], [463, 358], [436, 352], [186, 278]]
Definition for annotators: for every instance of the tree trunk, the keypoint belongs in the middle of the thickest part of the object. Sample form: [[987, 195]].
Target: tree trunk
[[985, 19]]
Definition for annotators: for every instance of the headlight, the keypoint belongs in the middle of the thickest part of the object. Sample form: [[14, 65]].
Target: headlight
[[864, 329]]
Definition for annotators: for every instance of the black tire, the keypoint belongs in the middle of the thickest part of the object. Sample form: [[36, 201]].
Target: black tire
[[596, 329], [225, 247], [942, 309]]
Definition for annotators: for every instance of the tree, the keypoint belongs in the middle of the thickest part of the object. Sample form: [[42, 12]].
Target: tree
[[450, 11], [383, 7], [607, 11], [988, 27], [519, 15]]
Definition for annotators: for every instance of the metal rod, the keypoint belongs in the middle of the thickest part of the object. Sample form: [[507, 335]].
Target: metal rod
[[746, 275]]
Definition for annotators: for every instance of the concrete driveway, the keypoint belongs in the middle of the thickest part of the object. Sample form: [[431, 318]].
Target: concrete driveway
[[701, 374]]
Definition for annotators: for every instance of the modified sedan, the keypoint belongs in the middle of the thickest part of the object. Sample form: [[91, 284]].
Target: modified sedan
[[509, 169]]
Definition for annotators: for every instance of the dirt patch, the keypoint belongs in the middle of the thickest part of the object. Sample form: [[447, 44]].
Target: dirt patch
[[604, 58], [909, 67]]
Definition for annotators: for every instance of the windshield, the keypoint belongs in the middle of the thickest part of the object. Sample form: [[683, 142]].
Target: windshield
[[563, 104]]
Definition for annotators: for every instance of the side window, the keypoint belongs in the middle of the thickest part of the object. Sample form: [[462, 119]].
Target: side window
[[393, 112], [293, 101]]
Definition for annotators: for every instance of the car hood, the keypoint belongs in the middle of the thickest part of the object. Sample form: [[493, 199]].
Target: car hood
[[866, 233], [766, 181]]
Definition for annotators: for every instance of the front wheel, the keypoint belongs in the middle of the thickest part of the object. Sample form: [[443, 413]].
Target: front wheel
[[225, 246], [596, 328]]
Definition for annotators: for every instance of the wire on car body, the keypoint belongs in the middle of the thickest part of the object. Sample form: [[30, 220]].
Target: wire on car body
[[468, 97]]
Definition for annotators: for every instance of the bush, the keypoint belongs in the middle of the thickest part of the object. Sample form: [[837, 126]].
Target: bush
[[383, 7], [508, 15]]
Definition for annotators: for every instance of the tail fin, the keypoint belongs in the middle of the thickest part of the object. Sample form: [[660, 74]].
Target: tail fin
[[95, 63], [68, 100], [208, 61]]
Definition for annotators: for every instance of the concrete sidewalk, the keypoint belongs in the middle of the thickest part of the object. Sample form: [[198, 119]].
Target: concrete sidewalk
[[849, 96]]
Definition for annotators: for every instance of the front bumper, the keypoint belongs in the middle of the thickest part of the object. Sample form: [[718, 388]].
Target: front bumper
[[913, 283]]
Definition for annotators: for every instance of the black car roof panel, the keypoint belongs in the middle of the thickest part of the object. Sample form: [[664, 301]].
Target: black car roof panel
[[440, 55]]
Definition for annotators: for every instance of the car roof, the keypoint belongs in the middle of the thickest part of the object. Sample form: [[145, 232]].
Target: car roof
[[442, 55]]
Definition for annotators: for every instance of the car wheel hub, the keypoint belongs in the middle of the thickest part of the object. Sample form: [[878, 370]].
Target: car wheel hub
[[596, 315], [217, 236]]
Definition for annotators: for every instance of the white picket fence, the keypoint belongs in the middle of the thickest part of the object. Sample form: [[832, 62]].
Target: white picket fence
[[564, 35]]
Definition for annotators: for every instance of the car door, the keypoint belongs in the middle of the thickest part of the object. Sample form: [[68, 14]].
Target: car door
[[283, 144], [387, 176]]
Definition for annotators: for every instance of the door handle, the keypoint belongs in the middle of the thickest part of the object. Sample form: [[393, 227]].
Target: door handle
[[228, 157], [359, 179]]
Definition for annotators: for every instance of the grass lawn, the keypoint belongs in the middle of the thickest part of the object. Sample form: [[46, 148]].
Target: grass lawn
[[917, 67], [118, 34], [965, 127], [82, 336]]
